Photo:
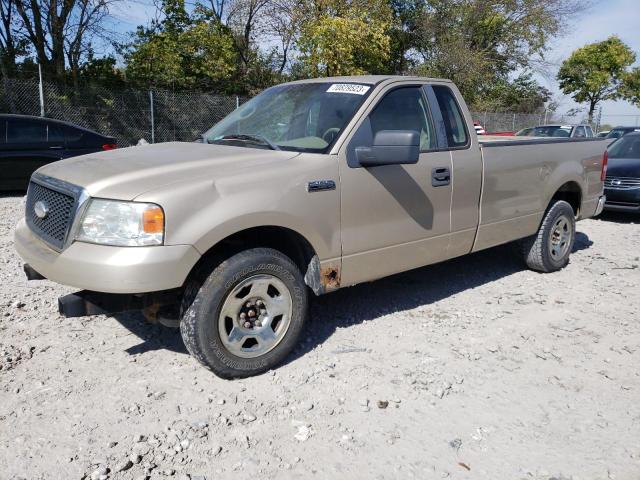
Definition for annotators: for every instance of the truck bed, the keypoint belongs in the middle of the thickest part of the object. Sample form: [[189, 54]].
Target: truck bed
[[520, 176]]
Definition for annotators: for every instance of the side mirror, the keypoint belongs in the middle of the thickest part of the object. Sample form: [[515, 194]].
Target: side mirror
[[390, 147]]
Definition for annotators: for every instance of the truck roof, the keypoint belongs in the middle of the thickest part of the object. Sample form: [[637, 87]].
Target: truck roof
[[368, 79]]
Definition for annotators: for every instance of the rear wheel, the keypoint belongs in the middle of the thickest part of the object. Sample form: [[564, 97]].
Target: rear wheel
[[246, 315], [549, 249]]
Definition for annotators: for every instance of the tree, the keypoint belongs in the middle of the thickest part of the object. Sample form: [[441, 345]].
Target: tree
[[342, 37], [630, 87], [60, 32], [595, 72], [182, 51], [522, 94], [480, 43]]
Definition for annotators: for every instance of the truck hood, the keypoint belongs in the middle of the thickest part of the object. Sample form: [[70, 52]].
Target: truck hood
[[126, 173]]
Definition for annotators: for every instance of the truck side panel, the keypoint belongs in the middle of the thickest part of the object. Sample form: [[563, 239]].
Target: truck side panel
[[521, 178]]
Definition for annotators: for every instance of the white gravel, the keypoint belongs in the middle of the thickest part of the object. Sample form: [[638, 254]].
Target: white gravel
[[472, 369]]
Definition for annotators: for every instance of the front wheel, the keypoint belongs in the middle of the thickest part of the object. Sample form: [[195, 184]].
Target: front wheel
[[247, 315], [549, 249]]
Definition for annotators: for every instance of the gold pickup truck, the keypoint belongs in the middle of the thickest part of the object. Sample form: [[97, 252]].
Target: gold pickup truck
[[309, 187]]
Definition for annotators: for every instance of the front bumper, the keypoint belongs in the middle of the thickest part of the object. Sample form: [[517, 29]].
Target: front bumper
[[627, 200], [102, 268]]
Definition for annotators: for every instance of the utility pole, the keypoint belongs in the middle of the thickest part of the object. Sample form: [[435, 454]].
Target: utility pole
[[153, 127], [41, 90], [598, 119]]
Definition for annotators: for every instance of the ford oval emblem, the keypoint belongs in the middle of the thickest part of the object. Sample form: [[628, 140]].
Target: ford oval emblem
[[41, 209]]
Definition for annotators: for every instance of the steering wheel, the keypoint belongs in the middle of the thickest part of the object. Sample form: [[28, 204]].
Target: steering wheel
[[330, 134]]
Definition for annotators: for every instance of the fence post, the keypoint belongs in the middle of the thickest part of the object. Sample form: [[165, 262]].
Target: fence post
[[153, 127], [513, 123], [237, 101], [40, 88]]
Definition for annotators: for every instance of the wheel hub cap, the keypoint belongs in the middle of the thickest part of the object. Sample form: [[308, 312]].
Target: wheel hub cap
[[560, 240], [255, 316]]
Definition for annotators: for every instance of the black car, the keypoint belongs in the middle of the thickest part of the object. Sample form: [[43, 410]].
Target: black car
[[27, 143], [618, 132], [622, 184]]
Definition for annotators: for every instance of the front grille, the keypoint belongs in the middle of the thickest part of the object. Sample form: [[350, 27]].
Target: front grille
[[55, 224], [621, 183]]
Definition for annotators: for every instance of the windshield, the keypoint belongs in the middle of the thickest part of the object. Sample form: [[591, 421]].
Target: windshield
[[304, 117], [548, 131], [626, 147]]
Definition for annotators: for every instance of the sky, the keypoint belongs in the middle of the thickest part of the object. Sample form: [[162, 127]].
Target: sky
[[602, 19]]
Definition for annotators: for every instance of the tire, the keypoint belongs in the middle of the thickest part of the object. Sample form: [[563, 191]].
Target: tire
[[231, 338], [549, 250]]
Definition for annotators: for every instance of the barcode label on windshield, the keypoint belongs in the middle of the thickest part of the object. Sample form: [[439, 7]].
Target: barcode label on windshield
[[348, 88]]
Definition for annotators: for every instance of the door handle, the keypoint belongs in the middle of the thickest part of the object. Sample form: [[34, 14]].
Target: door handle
[[440, 176]]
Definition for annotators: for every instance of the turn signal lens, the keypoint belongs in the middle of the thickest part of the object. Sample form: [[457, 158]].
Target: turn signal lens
[[153, 220]]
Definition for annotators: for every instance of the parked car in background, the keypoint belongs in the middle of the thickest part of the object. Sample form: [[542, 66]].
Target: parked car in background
[[618, 132], [505, 133], [479, 128], [27, 143], [557, 131], [603, 133], [622, 183]]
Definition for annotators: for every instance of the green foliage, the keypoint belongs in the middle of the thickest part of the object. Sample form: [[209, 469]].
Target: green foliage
[[522, 94], [102, 71], [595, 72], [478, 44], [182, 52], [630, 88], [245, 46], [340, 37]]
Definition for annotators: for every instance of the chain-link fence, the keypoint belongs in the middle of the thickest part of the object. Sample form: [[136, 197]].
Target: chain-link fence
[[162, 115], [128, 115], [507, 122]]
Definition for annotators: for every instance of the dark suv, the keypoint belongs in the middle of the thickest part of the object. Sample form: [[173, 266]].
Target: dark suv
[[27, 143]]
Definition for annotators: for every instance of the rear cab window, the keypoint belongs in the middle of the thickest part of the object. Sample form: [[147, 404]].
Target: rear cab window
[[454, 122]]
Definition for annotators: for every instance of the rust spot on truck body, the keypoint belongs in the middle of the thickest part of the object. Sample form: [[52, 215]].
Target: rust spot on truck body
[[322, 279], [330, 277]]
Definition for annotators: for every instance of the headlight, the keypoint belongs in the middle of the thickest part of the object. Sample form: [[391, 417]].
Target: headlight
[[112, 222]]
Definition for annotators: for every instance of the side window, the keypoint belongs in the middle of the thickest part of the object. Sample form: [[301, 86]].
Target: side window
[[72, 135], [452, 116], [404, 109], [55, 134], [580, 132], [26, 131]]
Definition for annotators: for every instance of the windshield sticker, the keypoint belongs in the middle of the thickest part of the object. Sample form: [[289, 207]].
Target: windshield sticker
[[348, 88]]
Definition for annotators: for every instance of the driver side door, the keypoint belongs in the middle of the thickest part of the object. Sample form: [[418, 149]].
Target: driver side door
[[394, 217]]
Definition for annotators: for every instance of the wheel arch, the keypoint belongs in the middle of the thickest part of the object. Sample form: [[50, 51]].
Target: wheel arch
[[287, 241], [571, 192]]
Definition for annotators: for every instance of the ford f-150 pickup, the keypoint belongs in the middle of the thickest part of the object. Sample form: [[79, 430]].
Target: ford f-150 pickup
[[309, 187]]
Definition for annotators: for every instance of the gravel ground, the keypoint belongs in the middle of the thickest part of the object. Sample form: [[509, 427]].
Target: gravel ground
[[471, 369]]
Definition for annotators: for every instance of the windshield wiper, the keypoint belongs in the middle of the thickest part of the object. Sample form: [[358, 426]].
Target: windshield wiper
[[248, 137]]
